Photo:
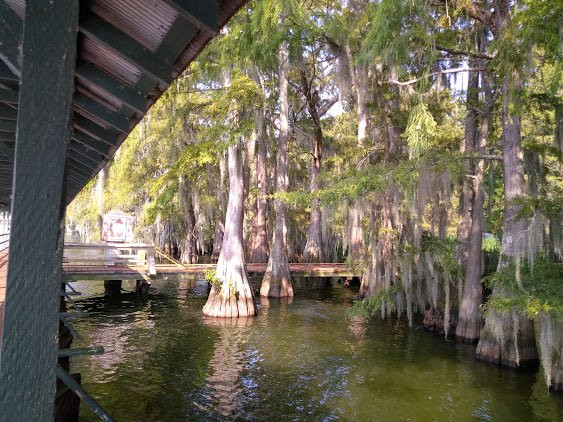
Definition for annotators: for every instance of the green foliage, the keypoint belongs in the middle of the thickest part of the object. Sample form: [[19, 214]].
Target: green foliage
[[211, 277], [490, 244], [420, 131], [371, 306], [541, 292]]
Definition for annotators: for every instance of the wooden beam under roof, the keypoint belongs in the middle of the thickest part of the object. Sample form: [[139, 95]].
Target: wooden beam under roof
[[8, 126], [88, 152], [91, 143], [8, 113], [157, 67], [11, 30], [6, 75], [124, 93], [203, 13], [8, 136], [7, 151], [112, 118], [9, 96], [106, 135]]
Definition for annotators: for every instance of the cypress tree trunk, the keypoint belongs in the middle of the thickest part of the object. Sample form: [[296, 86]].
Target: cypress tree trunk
[[356, 240], [470, 317], [466, 197], [259, 247], [313, 251], [189, 250], [219, 228], [277, 279], [233, 298], [508, 338]]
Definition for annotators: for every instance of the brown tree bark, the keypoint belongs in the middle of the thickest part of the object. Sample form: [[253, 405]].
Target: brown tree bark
[[189, 249], [219, 228], [516, 345], [277, 279], [466, 196], [313, 251], [470, 319], [356, 233], [233, 298], [259, 247]]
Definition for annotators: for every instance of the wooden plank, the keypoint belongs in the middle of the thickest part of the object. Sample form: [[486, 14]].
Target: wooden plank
[[124, 93], [85, 161], [89, 142], [89, 153], [110, 117], [178, 36], [9, 137], [79, 169], [7, 126], [8, 96], [8, 112], [6, 75], [109, 136], [31, 312], [11, 31], [203, 13], [7, 151], [157, 67]]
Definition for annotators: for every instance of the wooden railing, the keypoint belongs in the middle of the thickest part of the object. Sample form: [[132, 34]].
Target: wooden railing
[[110, 254]]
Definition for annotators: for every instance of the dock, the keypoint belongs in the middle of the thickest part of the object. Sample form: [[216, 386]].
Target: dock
[[139, 261]]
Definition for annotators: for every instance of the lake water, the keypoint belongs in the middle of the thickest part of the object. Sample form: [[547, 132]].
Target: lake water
[[299, 361]]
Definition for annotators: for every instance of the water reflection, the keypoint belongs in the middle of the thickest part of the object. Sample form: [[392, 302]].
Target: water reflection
[[300, 360], [224, 385]]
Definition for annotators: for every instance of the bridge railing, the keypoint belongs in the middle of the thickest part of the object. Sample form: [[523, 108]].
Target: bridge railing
[[110, 254]]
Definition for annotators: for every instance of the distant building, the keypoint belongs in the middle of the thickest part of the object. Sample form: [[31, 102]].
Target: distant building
[[118, 227]]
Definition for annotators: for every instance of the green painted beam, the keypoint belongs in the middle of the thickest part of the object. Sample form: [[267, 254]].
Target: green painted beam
[[85, 161], [106, 135], [8, 126], [178, 36], [124, 93], [8, 113], [8, 136], [90, 153], [11, 32], [111, 117], [203, 13], [80, 174], [7, 151], [80, 167], [8, 96], [119, 42], [31, 311], [6, 75], [92, 143]]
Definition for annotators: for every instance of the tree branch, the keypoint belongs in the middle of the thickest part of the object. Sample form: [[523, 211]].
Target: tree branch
[[474, 10], [463, 53], [441, 72]]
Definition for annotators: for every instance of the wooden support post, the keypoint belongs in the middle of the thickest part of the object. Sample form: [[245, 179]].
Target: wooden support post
[[112, 287], [150, 261], [28, 357]]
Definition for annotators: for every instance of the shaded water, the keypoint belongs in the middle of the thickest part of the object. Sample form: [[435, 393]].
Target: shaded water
[[298, 361]]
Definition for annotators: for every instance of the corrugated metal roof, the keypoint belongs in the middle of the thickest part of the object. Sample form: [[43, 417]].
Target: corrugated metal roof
[[147, 21], [94, 52]]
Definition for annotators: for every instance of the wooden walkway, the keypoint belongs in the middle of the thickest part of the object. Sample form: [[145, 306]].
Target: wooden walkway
[[108, 272]]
